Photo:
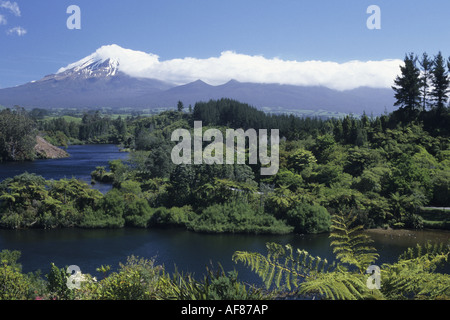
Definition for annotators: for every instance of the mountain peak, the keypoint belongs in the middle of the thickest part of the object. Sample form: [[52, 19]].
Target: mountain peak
[[199, 83], [232, 82], [115, 58], [90, 68]]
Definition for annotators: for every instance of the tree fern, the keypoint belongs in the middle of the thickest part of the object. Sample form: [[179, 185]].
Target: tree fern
[[337, 285], [414, 276], [308, 274], [431, 254], [350, 245], [281, 266]]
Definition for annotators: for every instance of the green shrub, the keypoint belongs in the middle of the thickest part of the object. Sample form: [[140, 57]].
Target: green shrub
[[237, 217], [138, 279], [306, 218], [174, 216], [99, 219], [13, 284], [57, 284]]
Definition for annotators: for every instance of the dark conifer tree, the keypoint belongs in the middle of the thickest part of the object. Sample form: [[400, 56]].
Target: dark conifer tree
[[441, 83], [180, 106], [426, 65], [407, 88]]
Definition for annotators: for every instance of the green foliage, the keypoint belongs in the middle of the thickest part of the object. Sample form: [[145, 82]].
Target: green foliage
[[440, 83], [57, 284], [307, 218], [175, 216], [236, 217], [385, 168], [350, 246], [338, 285], [441, 188], [281, 266], [13, 284], [101, 175], [407, 86], [314, 275], [137, 279], [233, 114], [300, 159], [31, 201], [215, 285], [17, 135], [99, 219], [414, 276]]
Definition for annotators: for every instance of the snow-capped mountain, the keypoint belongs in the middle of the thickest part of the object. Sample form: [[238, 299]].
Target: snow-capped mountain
[[121, 78], [91, 69]]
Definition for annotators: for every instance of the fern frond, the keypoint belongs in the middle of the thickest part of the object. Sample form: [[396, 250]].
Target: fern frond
[[428, 249], [280, 266], [336, 286], [413, 277], [349, 244], [408, 280]]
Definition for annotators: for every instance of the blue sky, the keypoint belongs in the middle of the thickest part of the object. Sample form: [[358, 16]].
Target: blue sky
[[324, 30]]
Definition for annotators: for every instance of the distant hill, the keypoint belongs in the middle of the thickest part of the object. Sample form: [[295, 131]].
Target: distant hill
[[100, 83]]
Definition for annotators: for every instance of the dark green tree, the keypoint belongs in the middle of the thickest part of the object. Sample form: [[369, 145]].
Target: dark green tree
[[407, 87], [17, 135], [158, 163], [427, 66], [306, 218], [180, 106], [441, 83]]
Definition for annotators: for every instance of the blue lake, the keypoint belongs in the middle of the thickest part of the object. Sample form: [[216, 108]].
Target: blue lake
[[82, 161]]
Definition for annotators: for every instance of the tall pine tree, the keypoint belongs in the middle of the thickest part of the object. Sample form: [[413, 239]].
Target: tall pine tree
[[407, 87], [441, 83], [426, 65]]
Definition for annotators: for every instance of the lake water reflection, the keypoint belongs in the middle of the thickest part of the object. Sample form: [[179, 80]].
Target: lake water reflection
[[82, 161]]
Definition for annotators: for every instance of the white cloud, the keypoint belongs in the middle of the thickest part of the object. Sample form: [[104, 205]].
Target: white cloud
[[11, 6], [3, 19], [244, 68], [17, 30]]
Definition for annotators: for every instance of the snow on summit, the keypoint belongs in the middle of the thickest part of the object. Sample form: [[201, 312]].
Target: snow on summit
[[128, 61]]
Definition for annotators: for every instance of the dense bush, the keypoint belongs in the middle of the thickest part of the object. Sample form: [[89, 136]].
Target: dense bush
[[175, 216], [236, 217], [307, 218], [13, 284]]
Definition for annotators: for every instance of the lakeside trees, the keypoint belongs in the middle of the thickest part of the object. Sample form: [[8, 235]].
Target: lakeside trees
[[17, 135]]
